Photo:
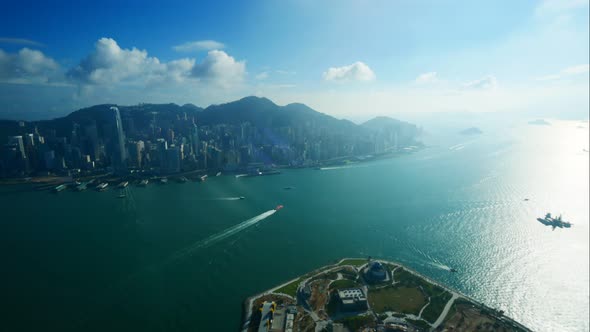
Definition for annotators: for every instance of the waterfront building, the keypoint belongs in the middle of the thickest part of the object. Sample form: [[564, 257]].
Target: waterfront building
[[375, 272], [352, 299]]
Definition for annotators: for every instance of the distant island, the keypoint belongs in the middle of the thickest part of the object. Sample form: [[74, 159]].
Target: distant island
[[250, 136], [471, 131], [539, 122], [358, 294]]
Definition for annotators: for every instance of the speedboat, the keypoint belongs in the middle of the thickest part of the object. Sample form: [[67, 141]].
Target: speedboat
[[242, 197], [278, 207], [453, 270]]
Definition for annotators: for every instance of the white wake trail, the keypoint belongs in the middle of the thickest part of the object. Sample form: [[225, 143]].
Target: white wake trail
[[221, 235]]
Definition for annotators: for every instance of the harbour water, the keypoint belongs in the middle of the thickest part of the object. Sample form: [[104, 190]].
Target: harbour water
[[183, 256]]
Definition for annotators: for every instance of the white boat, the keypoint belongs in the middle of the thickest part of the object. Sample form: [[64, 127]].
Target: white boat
[[102, 187], [123, 184], [59, 188]]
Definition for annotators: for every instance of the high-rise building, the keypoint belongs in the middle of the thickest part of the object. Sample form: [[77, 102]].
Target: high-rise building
[[137, 153], [172, 159], [18, 141], [119, 156]]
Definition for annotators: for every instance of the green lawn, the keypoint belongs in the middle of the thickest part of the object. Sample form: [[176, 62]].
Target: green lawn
[[289, 289], [354, 261], [407, 279], [436, 306], [400, 299], [343, 283]]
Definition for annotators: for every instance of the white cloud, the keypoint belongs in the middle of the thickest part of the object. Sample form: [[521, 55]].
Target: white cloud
[[262, 76], [566, 72], [20, 41], [485, 83], [429, 77], [357, 71], [220, 68], [108, 63], [27, 66], [580, 69], [199, 45]]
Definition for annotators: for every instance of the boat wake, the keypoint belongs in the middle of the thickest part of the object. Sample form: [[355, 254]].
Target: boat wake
[[440, 266], [333, 168], [219, 236], [224, 199], [460, 146]]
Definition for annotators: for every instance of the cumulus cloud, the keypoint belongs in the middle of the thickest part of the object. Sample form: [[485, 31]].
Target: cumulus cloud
[[567, 72], [108, 63], [429, 77], [27, 66], [199, 45], [20, 41], [357, 71], [486, 83], [220, 68]]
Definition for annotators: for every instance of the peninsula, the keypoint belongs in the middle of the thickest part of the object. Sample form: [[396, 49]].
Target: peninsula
[[359, 294]]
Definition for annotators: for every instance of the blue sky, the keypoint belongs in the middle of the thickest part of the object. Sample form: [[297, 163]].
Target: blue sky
[[352, 59]]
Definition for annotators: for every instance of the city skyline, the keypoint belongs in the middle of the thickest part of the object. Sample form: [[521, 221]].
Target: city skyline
[[166, 140], [353, 60]]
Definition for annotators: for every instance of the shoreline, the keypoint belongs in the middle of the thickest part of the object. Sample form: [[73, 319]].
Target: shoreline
[[248, 302]]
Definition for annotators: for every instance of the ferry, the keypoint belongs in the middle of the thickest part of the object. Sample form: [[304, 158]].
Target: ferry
[[144, 183], [59, 188], [123, 184], [278, 207], [102, 187]]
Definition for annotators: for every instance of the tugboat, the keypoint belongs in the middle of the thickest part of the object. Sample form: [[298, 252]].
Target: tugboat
[[555, 222]]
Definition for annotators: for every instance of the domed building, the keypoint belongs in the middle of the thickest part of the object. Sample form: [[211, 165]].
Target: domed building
[[375, 272]]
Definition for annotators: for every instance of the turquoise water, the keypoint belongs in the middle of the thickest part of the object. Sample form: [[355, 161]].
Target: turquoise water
[[184, 256]]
